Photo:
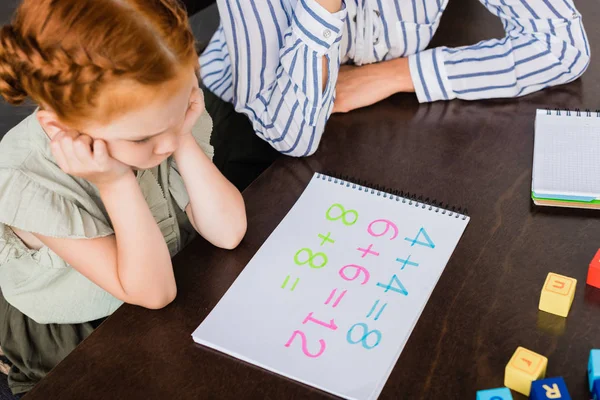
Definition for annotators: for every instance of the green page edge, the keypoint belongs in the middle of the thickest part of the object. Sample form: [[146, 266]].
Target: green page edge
[[566, 201]]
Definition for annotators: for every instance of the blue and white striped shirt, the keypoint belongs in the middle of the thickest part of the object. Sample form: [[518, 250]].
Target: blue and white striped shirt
[[265, 58]]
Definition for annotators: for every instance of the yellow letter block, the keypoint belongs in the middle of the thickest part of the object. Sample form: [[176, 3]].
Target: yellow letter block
[[524, 367], [557, 294]]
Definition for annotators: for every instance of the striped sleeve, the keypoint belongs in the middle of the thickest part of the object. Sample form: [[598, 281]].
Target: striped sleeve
[[545, 45], [276, 64]]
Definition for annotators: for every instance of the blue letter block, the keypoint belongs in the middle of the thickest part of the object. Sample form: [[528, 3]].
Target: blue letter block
[[551, 388], [596, 390], [593, 367], [495, 394]]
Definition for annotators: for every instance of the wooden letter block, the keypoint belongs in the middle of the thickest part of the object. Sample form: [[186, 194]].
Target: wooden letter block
[[551, 388], [524, 367], [593, 277], [495, 394], [557, 294], [594, 368], [596, 390]]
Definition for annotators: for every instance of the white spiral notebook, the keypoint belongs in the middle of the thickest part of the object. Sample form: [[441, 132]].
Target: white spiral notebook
[[566, 159], [332, 296]]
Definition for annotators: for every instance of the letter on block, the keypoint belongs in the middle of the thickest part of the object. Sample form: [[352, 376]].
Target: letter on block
[[594, 368], [524, 367], [596, 390], [495, 394], [593, 277], [557, 294], [551, 388]]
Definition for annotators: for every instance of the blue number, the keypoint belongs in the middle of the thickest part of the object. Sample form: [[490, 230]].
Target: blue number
[[417, 241], [363, 338], [388, 287]]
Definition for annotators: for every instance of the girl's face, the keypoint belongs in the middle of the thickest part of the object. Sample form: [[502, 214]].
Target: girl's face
[[145, 137]]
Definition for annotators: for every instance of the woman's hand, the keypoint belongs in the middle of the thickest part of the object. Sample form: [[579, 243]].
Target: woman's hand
[[361, 86]]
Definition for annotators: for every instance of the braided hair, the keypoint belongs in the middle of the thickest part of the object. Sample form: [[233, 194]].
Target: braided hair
[[62, 54]]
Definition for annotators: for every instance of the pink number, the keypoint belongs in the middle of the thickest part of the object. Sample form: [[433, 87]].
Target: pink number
[[331, 325], [357, 270], [387, 223], [304, 345]]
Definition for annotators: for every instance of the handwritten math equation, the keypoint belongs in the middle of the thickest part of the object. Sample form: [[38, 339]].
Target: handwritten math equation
[[353, 276]]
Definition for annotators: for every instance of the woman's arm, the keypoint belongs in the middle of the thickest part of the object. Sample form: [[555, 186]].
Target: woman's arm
[[545, 45], [333, 6], [283, 64]]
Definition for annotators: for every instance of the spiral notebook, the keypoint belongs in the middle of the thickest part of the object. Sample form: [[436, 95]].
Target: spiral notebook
[[332, 296], [566, 159]]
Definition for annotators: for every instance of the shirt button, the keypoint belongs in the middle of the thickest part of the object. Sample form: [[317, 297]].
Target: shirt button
[[326, 33]]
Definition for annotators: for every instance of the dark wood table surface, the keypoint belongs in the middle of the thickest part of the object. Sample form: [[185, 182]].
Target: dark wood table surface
[[474, 154]]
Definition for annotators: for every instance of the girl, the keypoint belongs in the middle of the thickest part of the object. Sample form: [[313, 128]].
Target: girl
[[105, 181]]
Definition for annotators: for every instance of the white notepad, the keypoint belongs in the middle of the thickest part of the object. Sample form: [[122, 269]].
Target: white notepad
[[332, 296], [566, 160]]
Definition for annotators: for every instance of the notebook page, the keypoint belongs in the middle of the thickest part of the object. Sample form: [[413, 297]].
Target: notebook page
[[332, 296], [566, 154]]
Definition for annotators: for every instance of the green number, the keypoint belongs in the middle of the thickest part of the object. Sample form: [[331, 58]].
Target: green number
[[342, 215], [311, 258]]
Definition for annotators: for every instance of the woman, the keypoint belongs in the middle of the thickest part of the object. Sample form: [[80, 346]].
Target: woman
[[286, 65]]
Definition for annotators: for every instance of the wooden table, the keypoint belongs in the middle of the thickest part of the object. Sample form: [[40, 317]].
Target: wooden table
[[477, 155]]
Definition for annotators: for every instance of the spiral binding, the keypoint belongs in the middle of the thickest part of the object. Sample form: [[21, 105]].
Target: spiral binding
[[398, 195], [573, 113]]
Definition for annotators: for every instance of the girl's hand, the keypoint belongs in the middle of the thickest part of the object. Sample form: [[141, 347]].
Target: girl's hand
[[86, 158], [195, 110]]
